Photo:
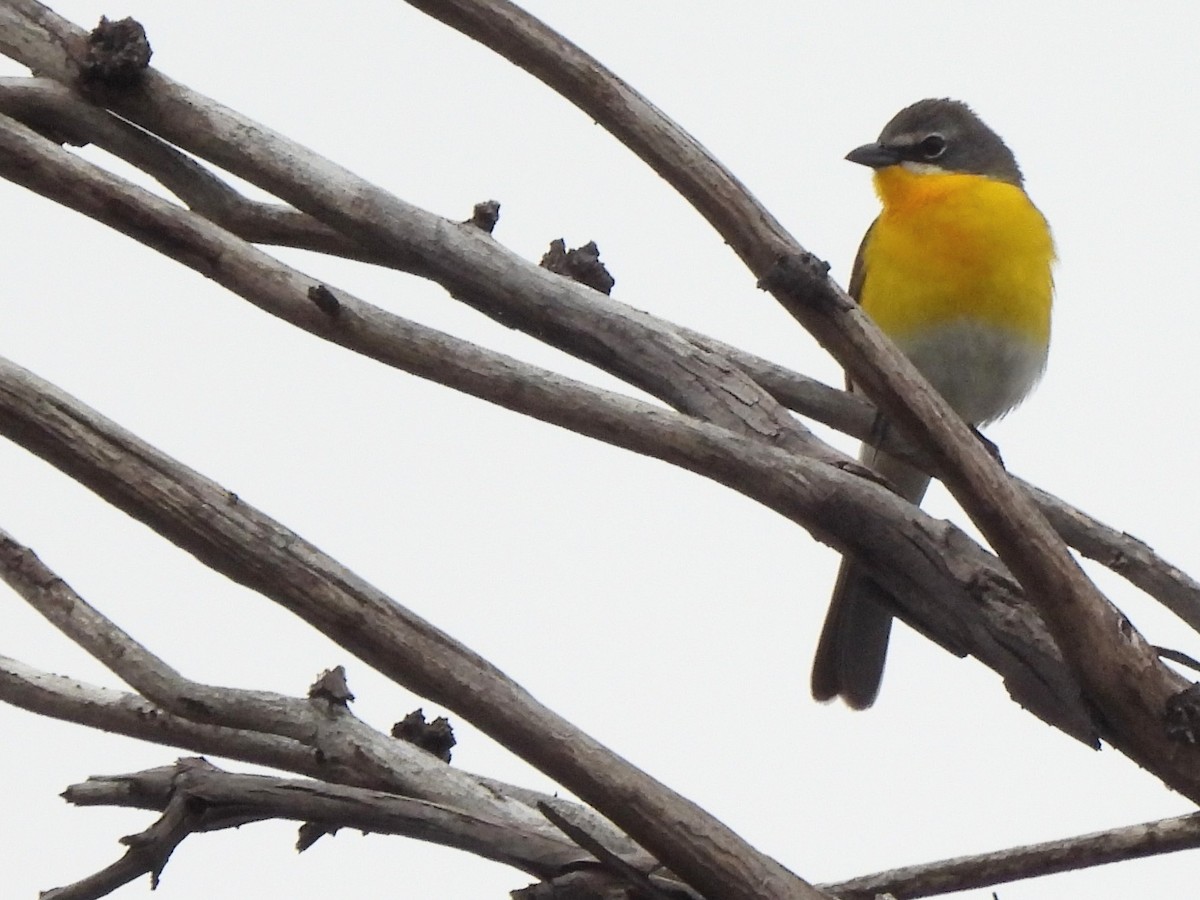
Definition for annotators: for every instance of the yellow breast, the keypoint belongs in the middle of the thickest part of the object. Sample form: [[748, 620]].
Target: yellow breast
[[949, 247]]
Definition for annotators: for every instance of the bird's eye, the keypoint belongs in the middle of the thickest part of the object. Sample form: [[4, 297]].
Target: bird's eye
[[933, 146]]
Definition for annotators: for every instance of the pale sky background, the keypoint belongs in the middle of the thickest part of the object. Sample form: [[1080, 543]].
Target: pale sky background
[[670, 617]]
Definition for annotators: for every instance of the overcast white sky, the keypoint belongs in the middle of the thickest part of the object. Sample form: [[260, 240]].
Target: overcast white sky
[[671, 618]]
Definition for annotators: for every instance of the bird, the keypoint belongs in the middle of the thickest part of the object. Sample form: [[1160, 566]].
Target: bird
[[957, 270]]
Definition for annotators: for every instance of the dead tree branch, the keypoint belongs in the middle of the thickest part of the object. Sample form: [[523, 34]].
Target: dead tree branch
[[866, 516], [1120, 673], [723, 424], [1032, 861], [47, 105], [219, 800]]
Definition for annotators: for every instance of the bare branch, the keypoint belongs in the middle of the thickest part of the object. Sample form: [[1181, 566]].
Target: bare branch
[[639, 881], [229, 800], [37, 100], [1026, 690], [988, 618], [854, 415], [349, 750], [637, 426], [45, 103], [147, 854], [118, 712], [1122, 676], [1031, 861], [631, 345], [1125, 684], [229, 536], [62, 115], [1124, 554]]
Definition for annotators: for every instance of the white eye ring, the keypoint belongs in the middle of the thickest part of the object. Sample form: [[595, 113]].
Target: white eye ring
[[932, 146]]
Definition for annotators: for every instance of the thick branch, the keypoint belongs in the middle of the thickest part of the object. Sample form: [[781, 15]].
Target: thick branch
[[45, 103], [977, 597], [1120, 672], [882, 534], [376, 218], [854, 415], [286, 293], [60, 113], [350, 751], [610, 335], [231, 537]]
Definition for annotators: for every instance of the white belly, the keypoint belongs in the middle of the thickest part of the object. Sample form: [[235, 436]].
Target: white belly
[[982, 371]]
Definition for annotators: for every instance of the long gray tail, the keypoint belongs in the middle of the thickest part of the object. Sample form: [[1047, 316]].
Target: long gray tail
[[854, 640]]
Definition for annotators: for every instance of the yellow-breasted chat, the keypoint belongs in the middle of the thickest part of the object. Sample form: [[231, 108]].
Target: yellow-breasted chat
[[956, 270]]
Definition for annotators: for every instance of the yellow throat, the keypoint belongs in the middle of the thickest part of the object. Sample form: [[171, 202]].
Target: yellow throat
[[951, 246]]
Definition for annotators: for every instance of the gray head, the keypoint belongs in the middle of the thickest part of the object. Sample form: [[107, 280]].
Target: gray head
[[943, 134]]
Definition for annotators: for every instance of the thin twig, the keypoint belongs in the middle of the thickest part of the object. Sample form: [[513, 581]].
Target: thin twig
[[631, 875], [1031, 861]]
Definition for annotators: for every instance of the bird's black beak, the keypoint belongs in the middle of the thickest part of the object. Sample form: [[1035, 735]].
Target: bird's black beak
[[875, 156]]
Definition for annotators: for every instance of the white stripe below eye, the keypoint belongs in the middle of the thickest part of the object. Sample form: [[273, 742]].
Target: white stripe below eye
[[920, 168]]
